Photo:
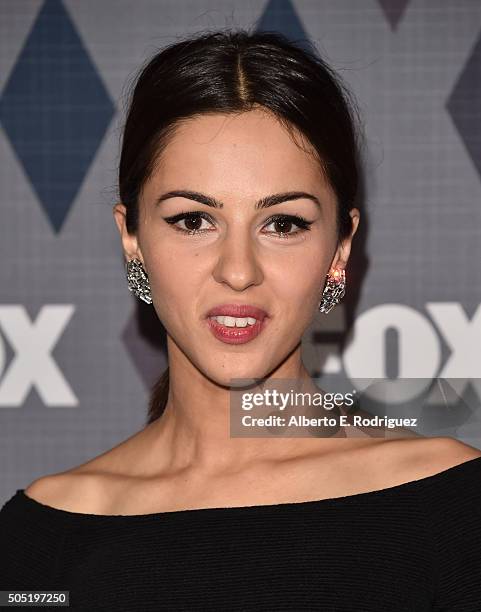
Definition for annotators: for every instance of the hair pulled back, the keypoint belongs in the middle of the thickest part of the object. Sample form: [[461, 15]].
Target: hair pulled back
[[229, 72]]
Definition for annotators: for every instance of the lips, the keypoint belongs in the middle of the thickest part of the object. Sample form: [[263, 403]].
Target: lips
[[238, 310], [236, 335]]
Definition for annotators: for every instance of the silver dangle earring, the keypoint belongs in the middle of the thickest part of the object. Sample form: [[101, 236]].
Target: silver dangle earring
[[138, 281], [334, 290]]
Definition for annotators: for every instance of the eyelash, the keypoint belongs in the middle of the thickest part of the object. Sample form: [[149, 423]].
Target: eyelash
[[301, 222]]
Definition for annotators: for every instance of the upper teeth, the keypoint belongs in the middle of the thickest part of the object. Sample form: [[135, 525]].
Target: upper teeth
[[234, 321]]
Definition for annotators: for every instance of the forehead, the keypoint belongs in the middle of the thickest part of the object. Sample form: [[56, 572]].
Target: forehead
[[242, 153]]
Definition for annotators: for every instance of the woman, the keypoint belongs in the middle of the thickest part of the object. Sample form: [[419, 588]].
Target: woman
[[237, 179]]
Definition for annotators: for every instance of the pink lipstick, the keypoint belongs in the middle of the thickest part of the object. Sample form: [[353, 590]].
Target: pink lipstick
[[236, 323]]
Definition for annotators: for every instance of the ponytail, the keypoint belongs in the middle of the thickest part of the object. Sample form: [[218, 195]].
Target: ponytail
[[158, 397]]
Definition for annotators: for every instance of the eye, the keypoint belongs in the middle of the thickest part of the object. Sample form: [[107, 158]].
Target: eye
[[192, 222], [284, 223]]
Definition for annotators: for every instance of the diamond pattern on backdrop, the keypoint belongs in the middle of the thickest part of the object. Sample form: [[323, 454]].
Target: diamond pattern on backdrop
[[281, 16], [464, 105], [393, 11], [55, 110]]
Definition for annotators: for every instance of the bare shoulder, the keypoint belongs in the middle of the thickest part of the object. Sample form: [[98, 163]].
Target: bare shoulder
[[72, 491], [420, 457], [82, 488], [90, 486]]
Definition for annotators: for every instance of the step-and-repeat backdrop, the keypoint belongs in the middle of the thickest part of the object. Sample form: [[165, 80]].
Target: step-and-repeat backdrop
[[79, 353]]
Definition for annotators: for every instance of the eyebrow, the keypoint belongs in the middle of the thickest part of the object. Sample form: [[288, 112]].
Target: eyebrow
[[265, 202]]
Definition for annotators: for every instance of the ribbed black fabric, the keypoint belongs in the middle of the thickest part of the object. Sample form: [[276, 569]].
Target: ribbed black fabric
[[411, 547]]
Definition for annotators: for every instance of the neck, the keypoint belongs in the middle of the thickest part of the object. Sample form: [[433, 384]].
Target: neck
[[193, 432]]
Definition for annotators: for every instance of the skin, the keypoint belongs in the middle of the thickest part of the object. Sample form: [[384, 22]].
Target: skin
[[187, 459], [237, 160]]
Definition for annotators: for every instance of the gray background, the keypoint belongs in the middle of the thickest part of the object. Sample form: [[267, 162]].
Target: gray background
[[414, 276]]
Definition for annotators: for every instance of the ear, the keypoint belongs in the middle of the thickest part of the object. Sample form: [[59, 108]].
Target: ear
[[130, 243], [343, 250]]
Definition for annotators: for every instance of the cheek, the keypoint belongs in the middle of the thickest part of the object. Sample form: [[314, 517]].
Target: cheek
[[175, 279], [297, 278], [295, 283]]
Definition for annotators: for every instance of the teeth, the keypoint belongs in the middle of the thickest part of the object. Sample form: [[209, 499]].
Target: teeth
[[234, 321]]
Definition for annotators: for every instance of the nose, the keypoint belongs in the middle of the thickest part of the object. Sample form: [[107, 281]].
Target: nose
[[237, 264]]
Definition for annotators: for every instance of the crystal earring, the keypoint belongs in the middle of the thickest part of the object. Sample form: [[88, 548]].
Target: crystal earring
[[138, 281], [334, 290]]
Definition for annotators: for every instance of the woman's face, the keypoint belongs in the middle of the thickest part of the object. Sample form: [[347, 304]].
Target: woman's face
[[236, 254]]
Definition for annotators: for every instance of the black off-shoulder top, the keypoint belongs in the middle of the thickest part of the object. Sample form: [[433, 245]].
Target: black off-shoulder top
[[411, 547]]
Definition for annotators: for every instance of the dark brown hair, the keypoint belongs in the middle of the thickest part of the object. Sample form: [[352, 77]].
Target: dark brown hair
[[232, 71]]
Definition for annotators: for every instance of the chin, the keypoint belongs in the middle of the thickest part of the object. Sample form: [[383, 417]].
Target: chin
[[237, 376]]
